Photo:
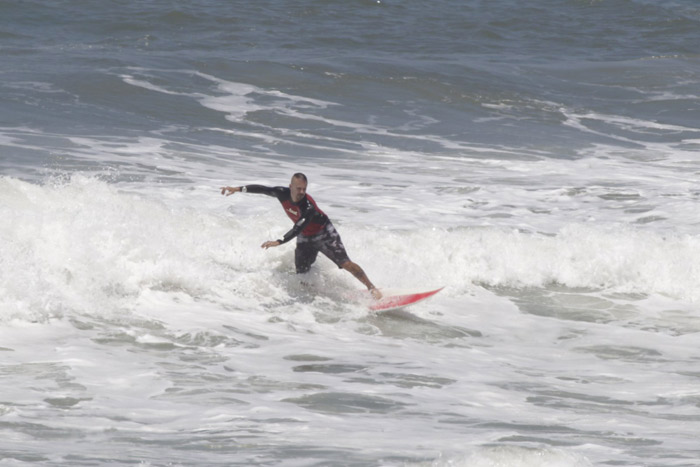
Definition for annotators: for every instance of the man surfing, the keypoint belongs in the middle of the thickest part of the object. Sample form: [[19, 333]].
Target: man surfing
[[312, 228]]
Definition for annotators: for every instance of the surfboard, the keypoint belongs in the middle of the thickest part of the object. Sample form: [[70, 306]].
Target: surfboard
[[395, 300]]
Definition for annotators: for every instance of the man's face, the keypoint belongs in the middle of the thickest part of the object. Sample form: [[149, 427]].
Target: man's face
[[298, 188]]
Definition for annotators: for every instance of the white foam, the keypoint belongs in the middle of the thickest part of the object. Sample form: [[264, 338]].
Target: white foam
[[237, 99], [142, 83], [515, 456], [163, 309], [85, 245]]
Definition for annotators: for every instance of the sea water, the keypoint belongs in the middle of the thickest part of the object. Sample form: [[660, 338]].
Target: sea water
[[539, 160]]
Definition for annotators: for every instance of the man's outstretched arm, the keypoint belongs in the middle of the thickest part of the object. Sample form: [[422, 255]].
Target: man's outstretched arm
[[257, 189], [298, 227]]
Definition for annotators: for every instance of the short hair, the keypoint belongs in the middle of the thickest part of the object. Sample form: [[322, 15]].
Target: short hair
[[300, 176]]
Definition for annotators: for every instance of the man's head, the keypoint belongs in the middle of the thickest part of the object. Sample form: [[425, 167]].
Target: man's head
[[298, 186]]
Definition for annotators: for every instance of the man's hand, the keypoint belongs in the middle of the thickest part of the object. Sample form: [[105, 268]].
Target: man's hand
[[229, 190], [376, 294], [270, 244]]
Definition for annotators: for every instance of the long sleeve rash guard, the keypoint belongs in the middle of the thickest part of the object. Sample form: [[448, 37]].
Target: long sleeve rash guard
[[307, 217]]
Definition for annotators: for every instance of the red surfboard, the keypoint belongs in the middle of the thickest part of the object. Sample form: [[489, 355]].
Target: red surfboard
[[394, 300]]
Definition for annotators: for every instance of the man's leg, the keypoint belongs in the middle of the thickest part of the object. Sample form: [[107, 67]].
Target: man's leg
[[359, 273], [332, 246], [304, 256]]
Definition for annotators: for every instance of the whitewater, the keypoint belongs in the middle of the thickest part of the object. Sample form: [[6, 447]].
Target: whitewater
[[139, 321], [538, 161]]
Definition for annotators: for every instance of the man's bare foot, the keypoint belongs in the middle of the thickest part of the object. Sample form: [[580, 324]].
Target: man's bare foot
[[376, 294]]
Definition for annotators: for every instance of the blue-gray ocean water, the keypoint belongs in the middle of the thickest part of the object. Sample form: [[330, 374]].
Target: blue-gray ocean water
[[539, 159]]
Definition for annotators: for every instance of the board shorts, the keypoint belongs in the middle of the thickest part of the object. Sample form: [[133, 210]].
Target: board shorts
[[327, 241]]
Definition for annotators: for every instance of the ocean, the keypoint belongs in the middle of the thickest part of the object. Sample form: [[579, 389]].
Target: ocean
[[539, 160]]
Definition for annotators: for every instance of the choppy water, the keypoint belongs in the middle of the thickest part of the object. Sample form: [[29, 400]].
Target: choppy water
[[539, 159]]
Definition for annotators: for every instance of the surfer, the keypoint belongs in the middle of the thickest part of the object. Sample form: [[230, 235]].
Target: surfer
[[312, 228]]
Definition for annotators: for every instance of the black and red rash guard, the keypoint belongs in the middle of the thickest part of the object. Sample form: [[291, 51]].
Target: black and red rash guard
[[307, 217]]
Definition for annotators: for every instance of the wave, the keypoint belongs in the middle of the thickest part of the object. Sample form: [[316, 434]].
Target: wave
[[619, 259], [84, 245]]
